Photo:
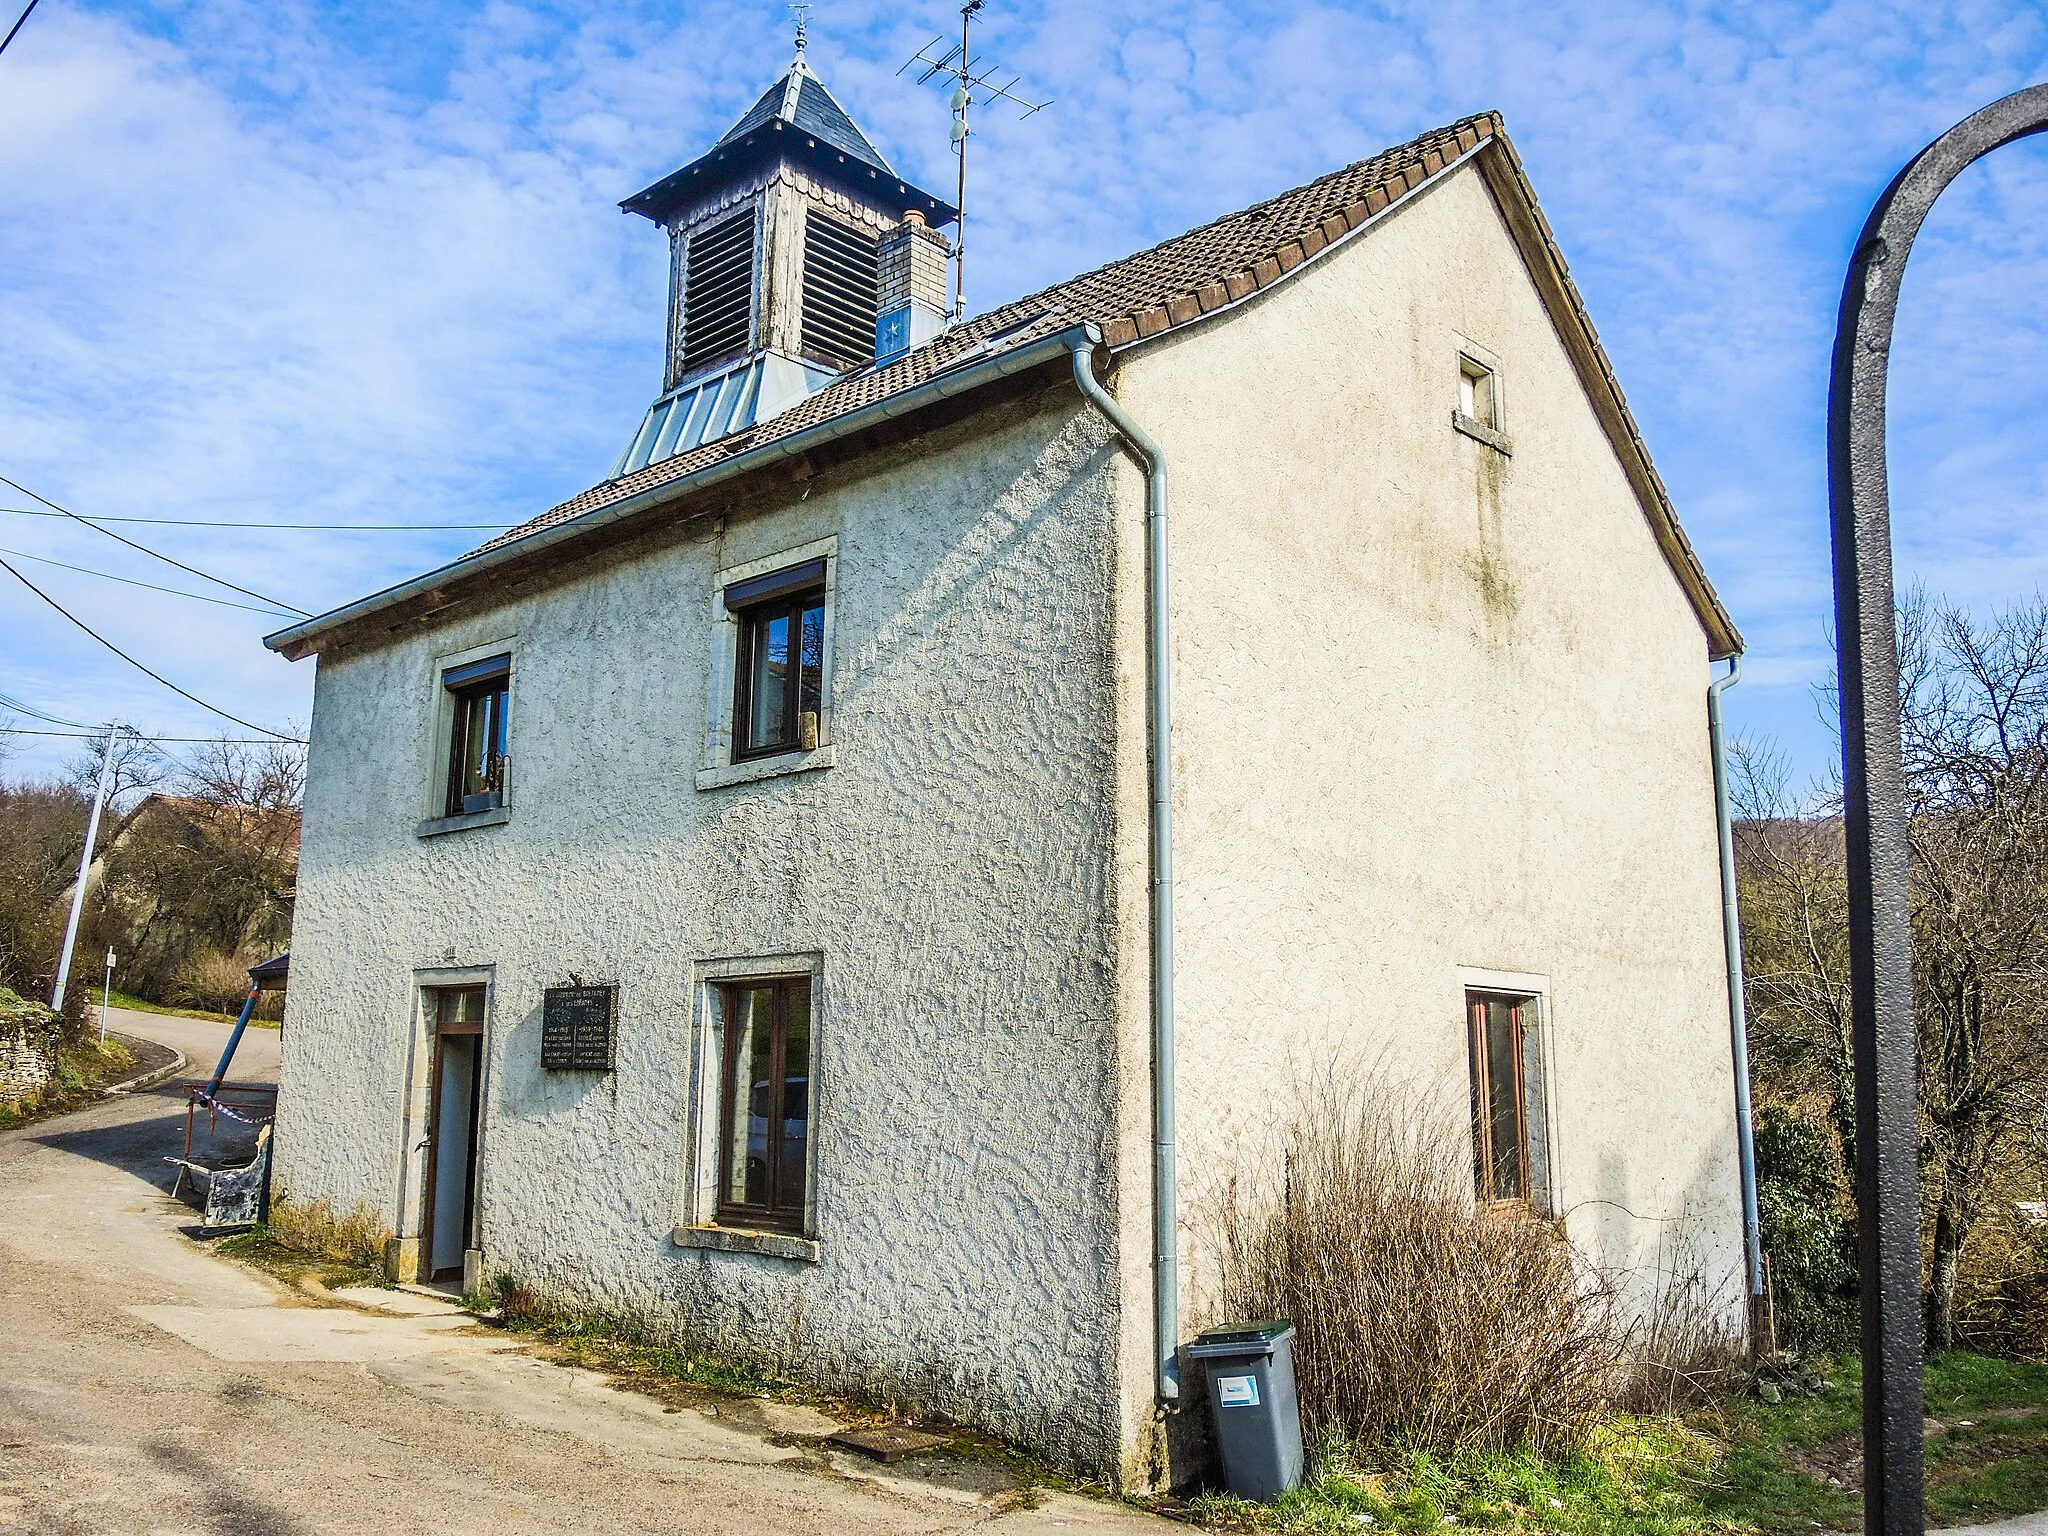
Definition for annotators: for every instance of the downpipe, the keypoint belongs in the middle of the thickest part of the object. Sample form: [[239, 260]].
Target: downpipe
[[1165, 1189], [1738, 1021]]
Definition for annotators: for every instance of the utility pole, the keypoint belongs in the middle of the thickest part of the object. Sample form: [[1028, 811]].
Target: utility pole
[[92, 836]]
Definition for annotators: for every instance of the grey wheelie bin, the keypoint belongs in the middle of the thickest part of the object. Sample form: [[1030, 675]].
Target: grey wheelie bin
[[1251, 1396]]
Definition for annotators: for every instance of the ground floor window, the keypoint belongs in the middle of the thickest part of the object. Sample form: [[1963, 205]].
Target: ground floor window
[[764, 1135], [1509, 1123]]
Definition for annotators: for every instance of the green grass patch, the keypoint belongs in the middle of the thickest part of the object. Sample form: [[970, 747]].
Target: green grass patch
[[261, 1248], [1638, 1477], [1795, 1465]]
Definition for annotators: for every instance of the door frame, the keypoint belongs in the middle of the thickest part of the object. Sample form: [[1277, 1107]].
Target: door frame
[[430, 998]]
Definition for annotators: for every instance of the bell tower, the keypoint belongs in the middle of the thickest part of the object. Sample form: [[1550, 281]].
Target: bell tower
[[797, 255]]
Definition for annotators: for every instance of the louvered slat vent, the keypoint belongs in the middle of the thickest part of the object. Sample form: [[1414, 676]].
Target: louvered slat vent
[[718, 291], [841, 293]]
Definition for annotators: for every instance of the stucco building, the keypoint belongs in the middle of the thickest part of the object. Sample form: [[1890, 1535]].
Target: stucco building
[[753, 895]]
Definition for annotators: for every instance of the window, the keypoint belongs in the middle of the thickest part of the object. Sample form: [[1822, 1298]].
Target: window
[[1477, 393], [718, 290], [764, 1131], [779, 671], [482, 691], [1510, 1141], [842, 288]]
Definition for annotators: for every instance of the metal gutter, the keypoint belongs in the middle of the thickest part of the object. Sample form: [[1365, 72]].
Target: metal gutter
[[1165, 1188], [1738, 1020], [299, 639]]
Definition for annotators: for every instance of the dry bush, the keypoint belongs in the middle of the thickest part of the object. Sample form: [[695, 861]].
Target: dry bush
[[1685, 1353], [213, 981], [356, 1239], [1421, 1321]]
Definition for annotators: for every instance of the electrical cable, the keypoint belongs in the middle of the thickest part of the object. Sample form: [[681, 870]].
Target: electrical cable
[[190, 570], [15, 706], [232, 741], [191, 522], [213, 709], [197, 597], [4, 41]]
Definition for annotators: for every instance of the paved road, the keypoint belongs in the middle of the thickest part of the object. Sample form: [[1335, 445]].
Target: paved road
[[146, 1386], [201, 1042]]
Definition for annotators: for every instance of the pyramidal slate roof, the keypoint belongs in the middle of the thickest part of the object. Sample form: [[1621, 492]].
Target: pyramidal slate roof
[[1201, 273], [800, 99]]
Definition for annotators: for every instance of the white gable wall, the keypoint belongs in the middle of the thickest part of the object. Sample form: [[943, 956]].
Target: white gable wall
[[1435, 708]]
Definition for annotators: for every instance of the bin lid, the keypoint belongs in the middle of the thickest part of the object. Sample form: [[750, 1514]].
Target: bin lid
[[1260, 1338]]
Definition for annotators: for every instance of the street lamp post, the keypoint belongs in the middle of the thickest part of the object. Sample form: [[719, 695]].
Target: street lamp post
[[1874, 813]]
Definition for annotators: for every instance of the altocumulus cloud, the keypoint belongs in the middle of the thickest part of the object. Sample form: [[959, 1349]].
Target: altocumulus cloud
[[360, 263]]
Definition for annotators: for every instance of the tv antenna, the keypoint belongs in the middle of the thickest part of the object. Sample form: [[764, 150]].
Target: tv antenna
[[975, 84]]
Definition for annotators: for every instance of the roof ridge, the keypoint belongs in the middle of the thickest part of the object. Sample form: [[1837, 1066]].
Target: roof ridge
[[1491, 116]]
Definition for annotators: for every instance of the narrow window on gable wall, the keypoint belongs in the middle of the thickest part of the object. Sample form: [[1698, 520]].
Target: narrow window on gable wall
[[1510, 1141], [779, 679], [482, 691], [1477, 393]]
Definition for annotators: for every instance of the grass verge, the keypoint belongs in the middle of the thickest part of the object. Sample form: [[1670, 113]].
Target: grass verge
[[82, 1070], [1797, 1464], [260, 1248]]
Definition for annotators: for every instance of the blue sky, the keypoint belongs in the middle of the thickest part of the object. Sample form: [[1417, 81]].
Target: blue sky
[[361, 264]]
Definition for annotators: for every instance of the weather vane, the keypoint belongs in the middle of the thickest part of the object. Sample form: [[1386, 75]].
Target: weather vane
[[802, 8], [974, 85]]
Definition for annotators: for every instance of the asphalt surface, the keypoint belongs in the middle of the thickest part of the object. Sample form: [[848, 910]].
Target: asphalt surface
[[148, 1386]]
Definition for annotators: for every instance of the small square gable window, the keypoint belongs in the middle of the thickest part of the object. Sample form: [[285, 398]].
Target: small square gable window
[[1476, 393]]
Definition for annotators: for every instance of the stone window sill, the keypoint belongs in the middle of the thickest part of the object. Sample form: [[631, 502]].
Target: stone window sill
[[767, 768], [434, 826], [1500, 442], [780, 1245]]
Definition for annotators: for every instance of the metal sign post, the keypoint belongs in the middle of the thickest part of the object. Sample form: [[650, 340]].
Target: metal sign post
[[1874, 809]]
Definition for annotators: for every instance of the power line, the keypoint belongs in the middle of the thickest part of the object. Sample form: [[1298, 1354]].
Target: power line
[[191, 570], [33, 713], [4, 41], [196, 597], [232, 741], [138, 666], [192, 522]]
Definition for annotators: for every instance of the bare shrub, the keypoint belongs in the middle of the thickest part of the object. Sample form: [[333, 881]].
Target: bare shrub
[[213, 981], [1685, 1353], [1421, 1321], [311, 1226]]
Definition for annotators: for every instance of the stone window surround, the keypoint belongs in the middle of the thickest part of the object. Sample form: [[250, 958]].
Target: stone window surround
[[1537, 987], [717, 769], [434, 793], [1492, 433], [697, 1225]]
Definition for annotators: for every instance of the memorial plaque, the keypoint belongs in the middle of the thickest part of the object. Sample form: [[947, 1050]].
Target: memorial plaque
[[576, 1028]]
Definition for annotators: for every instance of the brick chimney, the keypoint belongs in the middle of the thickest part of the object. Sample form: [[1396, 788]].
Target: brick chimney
[[913, 288]]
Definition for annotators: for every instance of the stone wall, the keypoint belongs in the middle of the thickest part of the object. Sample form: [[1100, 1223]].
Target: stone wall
[[28, 1048]]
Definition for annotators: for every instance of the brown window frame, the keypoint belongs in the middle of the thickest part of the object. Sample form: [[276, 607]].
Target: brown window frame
[[489, 683], [775, 1214], [1525, 1019], [753, 615]]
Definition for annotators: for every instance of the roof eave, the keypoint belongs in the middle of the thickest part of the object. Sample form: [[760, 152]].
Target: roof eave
[[302, 640]]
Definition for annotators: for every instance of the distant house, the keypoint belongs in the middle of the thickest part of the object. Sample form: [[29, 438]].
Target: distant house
[[738, 896]]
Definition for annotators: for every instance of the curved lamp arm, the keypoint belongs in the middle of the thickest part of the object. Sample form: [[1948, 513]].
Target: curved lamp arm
[[1873, 795]]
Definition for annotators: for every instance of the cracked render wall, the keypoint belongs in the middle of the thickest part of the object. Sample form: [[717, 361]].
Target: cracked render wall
[[955, 869]]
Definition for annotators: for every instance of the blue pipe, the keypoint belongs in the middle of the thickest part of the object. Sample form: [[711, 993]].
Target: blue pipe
[[235, 1039]]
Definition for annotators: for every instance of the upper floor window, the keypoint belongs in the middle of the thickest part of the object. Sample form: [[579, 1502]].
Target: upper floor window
[[1478, 393], [779, 672], [481, 692], [1509, 1121]]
